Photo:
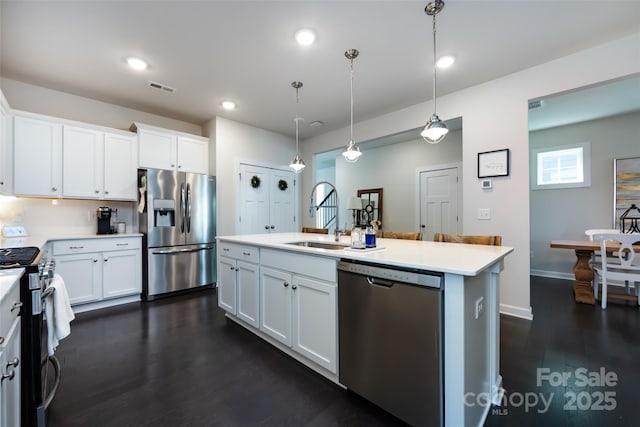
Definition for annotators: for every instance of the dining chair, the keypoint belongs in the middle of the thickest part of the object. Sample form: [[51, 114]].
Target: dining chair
[[315, 230], [474, 240], [622, 266], [399, 235]]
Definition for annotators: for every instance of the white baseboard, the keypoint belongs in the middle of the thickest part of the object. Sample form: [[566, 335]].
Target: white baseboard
[[552, 274], [514, 311]]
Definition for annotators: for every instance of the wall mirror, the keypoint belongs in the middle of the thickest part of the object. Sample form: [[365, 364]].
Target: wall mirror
[[371, 206]]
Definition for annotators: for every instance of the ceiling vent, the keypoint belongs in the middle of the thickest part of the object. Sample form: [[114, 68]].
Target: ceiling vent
[[162, 87], [536, 104]]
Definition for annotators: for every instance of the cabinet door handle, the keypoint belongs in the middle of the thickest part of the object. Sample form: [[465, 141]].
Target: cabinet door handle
[[97, 191], [106, 192], [173, 165], [294, 287], [272, 227], [266, 227], [122, 244], [232, 268], [95, 260], [15, 362], [246, 253], [285, 284], [225, 249], [76, 247], [106, 259], [9, 376], [54, 189], [16, 306], [237, 269]]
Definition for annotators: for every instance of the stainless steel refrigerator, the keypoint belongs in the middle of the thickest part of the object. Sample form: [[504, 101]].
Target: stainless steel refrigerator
[[176, 215]]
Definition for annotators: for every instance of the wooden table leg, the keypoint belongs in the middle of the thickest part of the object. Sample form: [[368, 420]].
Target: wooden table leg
[[583, 278]]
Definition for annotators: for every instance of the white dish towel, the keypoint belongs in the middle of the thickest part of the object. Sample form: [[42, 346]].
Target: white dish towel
[[58, 313]]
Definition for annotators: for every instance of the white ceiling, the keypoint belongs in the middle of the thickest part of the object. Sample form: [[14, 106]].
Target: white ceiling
[[244, 50]]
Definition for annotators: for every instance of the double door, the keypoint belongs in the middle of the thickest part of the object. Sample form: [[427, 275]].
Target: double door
[[268, 200], [300, 312]]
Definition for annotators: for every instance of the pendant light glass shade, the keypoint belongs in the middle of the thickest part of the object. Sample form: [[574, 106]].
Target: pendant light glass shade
[[435, 129], [351, 152], [297, 164]]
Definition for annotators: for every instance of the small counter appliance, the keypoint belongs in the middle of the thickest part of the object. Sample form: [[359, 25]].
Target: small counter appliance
[[104, 220]]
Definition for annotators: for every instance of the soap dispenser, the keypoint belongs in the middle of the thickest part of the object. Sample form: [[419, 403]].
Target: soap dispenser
[[370, 237]]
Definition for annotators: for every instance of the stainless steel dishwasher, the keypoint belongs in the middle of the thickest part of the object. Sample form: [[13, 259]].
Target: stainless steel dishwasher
[[390, 335]]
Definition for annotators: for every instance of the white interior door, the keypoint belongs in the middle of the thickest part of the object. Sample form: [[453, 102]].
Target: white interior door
[[254, 202], [282, 201], [268, 200], [439, 202]]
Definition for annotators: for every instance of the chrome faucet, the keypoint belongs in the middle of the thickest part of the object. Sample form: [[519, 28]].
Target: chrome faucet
[[337, 232]]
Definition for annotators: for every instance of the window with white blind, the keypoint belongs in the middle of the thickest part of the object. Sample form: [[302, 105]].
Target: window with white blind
[[564, 166]]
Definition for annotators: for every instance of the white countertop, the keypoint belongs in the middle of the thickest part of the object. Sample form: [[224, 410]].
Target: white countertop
[[8, 279], [455, 258], [40, 240]]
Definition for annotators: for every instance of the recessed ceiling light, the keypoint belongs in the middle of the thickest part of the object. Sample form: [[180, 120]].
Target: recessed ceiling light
[[228, 105], [137, 63], [445, 61], [305, 37]]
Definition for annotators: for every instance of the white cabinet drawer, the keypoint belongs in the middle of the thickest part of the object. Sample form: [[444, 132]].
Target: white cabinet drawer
[[67, 247], [245, 253], [312, 266]]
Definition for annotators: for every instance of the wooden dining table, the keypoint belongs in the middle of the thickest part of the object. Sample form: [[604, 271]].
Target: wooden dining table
[[583, 274]]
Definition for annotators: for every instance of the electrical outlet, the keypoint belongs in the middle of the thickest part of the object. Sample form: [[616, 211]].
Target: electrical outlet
[[484, 213], [479, 307]]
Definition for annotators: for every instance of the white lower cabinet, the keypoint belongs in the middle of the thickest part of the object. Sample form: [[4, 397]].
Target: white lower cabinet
[[289, 297], [99, 269], [10, 363], [238, 286], [298, 310]]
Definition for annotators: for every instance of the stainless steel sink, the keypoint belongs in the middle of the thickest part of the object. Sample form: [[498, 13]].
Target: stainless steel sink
[[321, 245]]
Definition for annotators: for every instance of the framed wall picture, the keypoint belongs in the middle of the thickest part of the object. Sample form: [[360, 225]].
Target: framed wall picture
[[493, 163]]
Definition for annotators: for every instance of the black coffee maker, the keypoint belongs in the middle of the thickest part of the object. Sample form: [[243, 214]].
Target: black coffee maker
[[104, 220]]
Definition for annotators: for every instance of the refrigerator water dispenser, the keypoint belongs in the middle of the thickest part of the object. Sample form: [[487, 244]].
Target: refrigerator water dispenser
[[164, 213]]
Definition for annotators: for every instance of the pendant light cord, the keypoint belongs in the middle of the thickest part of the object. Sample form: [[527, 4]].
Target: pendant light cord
[[351, 99], [434, 64], [297, 101]]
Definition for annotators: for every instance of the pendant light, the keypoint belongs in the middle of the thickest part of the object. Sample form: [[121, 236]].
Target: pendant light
[[351, 152], [297, 164], [435, 129]]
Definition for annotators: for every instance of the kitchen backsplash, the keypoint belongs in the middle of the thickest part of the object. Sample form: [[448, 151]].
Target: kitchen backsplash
[[61, 216]]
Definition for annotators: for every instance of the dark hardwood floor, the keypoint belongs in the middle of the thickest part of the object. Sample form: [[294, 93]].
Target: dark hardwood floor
[[180, 362]]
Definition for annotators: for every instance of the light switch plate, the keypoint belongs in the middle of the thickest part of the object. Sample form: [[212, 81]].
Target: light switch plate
[[484, 213], [14, 231]]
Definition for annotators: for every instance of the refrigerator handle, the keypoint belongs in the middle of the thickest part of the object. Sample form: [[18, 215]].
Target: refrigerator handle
[[182, 207], [188, 208]]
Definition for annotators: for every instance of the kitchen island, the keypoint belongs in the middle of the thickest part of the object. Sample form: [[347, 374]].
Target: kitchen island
[[287, 294]]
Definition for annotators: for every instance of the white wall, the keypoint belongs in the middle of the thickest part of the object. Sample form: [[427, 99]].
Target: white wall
[[37, 99], [566, 213], [495, 116], [237, 142], [61, 217], [393, 168]]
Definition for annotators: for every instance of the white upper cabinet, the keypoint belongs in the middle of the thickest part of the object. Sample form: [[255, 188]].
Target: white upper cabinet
[[6, 149], [37, 147], [120, 166], [98, 165], [83, 165], [60, 158], [165, 149]]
